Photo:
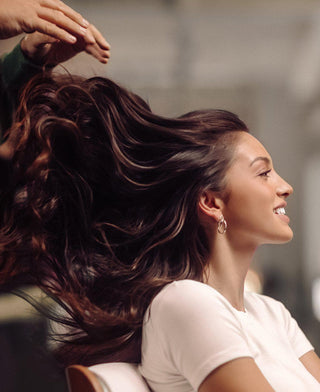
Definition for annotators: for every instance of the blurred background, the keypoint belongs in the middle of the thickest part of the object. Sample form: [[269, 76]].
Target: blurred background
[[258, 59]]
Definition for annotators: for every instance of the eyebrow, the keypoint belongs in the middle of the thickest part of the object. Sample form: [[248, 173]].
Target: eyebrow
[[265, 159]]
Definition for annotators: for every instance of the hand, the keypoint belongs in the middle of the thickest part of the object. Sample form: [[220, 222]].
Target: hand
[[51, 17], [43, 49]]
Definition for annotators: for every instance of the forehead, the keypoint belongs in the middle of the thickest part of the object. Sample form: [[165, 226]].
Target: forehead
[[249, 148]]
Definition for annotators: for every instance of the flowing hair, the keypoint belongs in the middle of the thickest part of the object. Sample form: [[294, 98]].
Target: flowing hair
[[102, 208]]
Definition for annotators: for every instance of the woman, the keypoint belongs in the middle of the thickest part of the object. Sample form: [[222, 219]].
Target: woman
[[144, 227]]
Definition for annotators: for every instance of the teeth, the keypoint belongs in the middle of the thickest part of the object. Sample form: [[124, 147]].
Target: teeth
[[280, 211]]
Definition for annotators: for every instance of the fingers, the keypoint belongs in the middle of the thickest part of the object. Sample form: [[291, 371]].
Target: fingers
[[36, 46], [54, 18], [88, 38], [66, 10], [100, 55], [96, 51], [36, 40], [100, 48], [51, 29], [61, 21], [73, 33], [51, 17], [99, 38]]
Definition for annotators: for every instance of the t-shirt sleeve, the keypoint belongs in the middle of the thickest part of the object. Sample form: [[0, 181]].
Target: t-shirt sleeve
[[297, 338], [197, 331]]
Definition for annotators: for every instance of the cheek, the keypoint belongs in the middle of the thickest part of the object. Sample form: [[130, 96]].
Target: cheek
[[249, 205]]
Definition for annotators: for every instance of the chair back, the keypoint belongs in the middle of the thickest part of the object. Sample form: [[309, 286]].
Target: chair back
[[120, 377], [106, 377], [81, 379]]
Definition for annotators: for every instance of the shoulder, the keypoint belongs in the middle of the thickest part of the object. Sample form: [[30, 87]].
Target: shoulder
[[184, 291], [181, 288], [188, 297], [262, 304], [191, 330], [263, 300]]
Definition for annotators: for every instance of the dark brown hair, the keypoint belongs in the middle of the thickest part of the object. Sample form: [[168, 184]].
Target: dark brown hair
[[102, 209]]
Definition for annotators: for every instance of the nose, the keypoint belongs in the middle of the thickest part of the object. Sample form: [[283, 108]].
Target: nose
[[283, 188]]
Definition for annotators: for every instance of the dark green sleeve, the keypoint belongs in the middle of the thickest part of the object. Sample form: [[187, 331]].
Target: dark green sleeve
[[15, 71]]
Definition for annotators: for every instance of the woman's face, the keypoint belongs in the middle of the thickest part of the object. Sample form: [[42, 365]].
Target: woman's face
[[255, 206]]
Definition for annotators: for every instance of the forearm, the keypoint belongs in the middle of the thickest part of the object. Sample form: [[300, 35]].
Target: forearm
[[311, 362]]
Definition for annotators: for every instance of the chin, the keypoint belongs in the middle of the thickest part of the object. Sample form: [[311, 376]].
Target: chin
[[284, 237]]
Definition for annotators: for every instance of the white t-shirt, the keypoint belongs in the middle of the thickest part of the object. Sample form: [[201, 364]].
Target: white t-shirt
[[190, 329]]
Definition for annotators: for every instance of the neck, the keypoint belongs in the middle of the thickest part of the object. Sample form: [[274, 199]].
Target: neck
[[227, 269]]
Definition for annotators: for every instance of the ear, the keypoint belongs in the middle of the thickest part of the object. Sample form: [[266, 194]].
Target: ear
[[211, 204]]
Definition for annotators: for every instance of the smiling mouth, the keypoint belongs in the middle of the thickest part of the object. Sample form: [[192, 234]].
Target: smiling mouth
[[279, 211]]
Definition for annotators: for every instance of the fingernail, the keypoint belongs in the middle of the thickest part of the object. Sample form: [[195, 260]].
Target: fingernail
[[72, 39], [85, 22], [83, 30]]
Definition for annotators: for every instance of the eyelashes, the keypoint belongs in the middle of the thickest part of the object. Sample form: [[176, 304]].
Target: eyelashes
[[265, 173]]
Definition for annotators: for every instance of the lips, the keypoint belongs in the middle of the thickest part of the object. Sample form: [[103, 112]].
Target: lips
[[281, 213]]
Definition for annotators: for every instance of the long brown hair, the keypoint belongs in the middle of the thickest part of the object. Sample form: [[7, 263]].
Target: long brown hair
[[102, 207]]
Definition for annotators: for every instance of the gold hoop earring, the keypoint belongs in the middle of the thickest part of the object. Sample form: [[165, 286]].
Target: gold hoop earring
[[222, 225]]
